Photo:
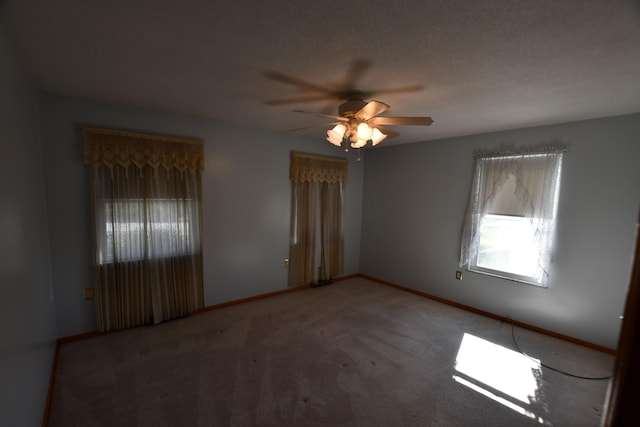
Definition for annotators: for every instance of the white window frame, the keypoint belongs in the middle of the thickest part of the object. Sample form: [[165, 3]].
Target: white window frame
[[474, 265]]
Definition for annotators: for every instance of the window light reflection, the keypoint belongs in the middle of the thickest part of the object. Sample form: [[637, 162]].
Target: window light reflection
[[503, 375]]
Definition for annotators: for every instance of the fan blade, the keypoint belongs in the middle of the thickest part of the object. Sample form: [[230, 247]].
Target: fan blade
[[389, 132], [274, 75], [372, 109], [342, 119], [297, 100], [355, 72], [417, 121], [314, 126], [329, 107]]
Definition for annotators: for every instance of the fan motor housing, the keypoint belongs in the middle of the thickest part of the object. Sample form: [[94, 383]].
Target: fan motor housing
[[349, 108]]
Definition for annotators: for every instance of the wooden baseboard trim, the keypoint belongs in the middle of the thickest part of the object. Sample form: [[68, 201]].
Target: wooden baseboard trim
[[78, 337], [52, 383], [54, 369], [494, 316], [252, 298], [263, 296], [350, 276]]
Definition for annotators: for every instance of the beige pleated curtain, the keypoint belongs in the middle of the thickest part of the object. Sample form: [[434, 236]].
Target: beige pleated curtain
[[146, 194], [316, 212]]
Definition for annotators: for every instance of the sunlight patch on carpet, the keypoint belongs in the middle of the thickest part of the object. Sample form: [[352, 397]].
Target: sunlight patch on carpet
[[499, 373]]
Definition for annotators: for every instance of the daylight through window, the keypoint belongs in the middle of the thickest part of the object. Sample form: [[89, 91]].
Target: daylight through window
[[146, 192], [510, 220], [137, 229]]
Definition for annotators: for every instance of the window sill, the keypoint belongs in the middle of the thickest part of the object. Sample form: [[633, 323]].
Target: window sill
[[507, 276]]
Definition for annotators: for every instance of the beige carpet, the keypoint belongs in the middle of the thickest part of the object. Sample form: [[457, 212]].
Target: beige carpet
[[353, 353]]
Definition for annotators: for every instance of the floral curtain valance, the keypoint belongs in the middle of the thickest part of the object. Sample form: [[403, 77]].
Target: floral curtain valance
[[105, 147], [306, 167]]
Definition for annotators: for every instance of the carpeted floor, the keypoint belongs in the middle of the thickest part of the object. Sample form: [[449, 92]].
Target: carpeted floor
[[353, 353]]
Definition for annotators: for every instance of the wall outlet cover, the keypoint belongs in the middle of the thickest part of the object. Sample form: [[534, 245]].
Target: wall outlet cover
[[88, 294]]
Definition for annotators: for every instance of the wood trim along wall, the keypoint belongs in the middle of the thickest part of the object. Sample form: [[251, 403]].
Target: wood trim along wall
[[248, 299], [263, 296], [52, 383], [494, 316]]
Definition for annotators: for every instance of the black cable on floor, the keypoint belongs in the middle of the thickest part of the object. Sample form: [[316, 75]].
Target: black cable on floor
[[515, 343]]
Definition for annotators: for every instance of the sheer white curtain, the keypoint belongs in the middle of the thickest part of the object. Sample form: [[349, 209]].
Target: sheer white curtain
[[533, 178], [146, 202], [316, 215]]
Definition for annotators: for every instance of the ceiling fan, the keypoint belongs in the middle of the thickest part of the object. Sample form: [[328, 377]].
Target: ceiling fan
[[357, 122]]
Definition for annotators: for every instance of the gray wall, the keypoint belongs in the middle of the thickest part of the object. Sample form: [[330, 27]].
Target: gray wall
[[414, 200], [27, 319], [246, 191]]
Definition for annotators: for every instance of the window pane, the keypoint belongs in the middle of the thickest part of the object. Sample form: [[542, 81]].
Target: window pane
[[158, 228], [507, 244]]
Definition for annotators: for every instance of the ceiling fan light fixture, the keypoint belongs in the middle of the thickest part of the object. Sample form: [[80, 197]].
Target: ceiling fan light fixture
[[340, 129], [359, 143], [364, 132], [336, 135], [332, 139], [377, 137], [357, 123]]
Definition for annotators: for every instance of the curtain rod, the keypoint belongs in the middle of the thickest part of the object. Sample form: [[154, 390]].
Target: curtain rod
[[318, 157], [103, 131], [526, 151]]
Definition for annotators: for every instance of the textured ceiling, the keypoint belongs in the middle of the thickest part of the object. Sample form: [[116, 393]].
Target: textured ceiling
[[482, 65]]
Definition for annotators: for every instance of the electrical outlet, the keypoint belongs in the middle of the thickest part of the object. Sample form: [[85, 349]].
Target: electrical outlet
[[88, 294], [286, 263], [458, 275]]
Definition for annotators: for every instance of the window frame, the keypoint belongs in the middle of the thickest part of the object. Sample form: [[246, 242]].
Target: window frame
[[473, 262], [543, 225], [146, 230]]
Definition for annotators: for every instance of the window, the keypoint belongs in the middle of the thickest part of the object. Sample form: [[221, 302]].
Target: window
[[146, 197], [317, 201], [133, 229], [510, 220], [507, 244]]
